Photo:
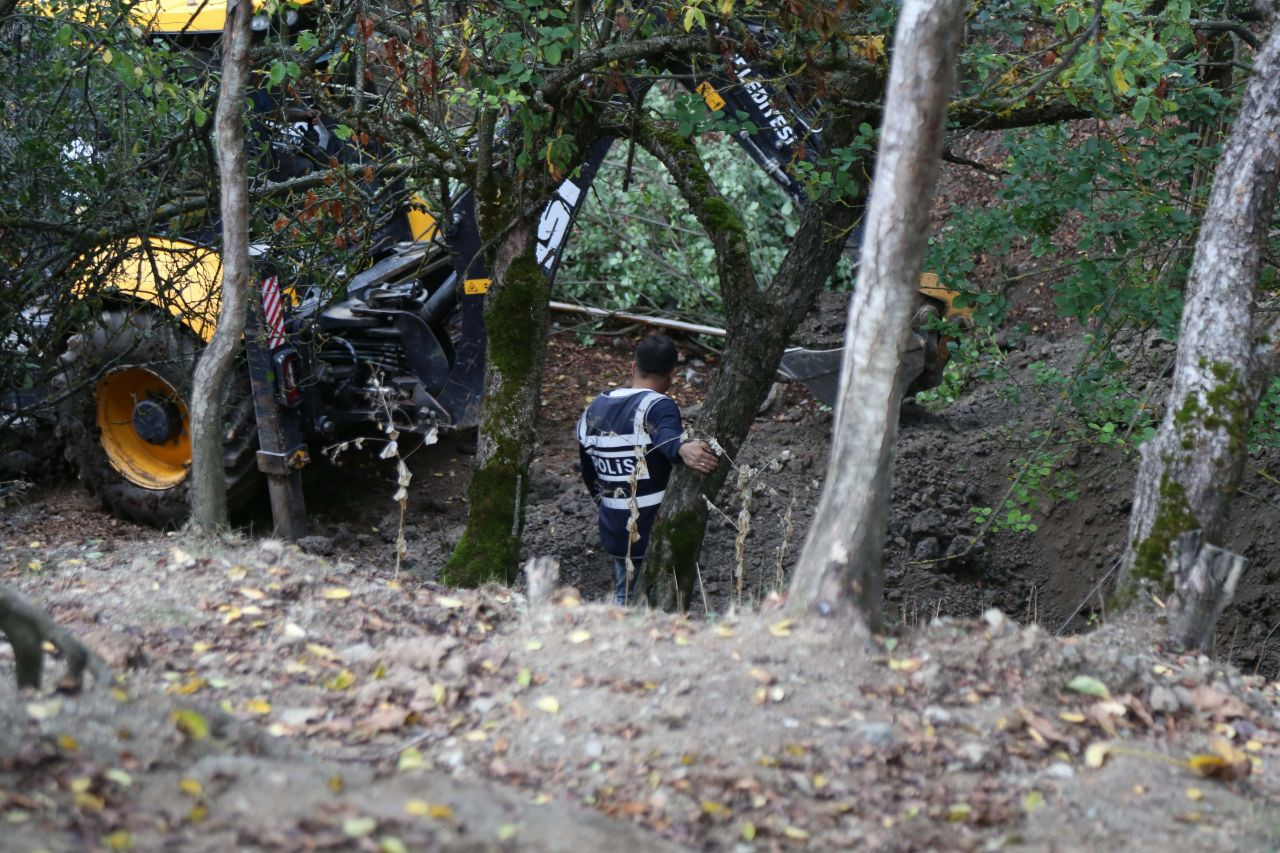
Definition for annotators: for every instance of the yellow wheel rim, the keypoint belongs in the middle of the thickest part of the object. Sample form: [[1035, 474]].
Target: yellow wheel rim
[[159, 463]]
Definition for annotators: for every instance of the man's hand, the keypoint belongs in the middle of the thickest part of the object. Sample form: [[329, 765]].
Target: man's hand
[[697, 456]]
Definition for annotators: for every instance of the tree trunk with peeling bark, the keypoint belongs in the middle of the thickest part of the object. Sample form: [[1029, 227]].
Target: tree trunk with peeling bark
[[1191, 470], [208, 488], [839, 572]]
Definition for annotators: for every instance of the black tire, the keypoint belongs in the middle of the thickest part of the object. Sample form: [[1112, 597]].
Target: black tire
[[123, 342]]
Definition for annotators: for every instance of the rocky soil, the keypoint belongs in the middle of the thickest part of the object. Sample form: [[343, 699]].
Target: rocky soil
[[273, 700]]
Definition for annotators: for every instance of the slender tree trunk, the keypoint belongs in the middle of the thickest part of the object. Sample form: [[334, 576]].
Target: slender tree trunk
[[516, 318], [839, 571], [760, 321], [1191, 470], [759, 330], [208, 480]]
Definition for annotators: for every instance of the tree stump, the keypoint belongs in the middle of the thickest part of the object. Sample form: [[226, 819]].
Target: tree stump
[[1204, 582]]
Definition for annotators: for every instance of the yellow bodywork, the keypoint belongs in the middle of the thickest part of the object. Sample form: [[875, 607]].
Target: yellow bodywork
[[929, 287], [177, 276], [171, 17]]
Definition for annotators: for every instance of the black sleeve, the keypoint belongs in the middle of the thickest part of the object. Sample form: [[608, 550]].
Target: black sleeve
[[666, 429], [589, 472]]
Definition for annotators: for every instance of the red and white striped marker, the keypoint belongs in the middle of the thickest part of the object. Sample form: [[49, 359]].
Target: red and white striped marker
[[273, 312]]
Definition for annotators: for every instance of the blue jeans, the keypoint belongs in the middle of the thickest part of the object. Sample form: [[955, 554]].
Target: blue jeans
[[622, 593]]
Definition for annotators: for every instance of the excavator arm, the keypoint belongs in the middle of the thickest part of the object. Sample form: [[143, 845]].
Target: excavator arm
[[776, 132]]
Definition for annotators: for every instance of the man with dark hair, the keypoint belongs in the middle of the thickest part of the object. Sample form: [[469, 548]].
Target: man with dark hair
[[628, 439]]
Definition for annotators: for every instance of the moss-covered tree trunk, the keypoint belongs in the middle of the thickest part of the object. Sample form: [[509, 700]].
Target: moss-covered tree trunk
[[1191, 470], [760, 322], [839, 570], [516, 315]]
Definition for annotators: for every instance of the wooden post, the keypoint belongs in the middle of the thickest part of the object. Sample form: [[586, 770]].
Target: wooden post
[[281, 453]]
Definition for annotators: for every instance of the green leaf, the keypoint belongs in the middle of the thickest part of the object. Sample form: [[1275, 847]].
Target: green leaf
[[199, 116], [276, 77], [551, 53], [1141, 105], [1089, 686], [343, 132], [307, 41], [64, 35]]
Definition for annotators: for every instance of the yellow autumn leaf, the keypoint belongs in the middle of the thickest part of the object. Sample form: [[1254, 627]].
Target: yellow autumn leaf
[[795, 832], [723, 631], [447, 601], [253, 593], [119, 840], [1117, 79], [905, 664], [549, 704], [1195, 794], [335, 593], [68, 744], [391, 844], [189, 687], [90, 802], [200, 647], [1071, 716], [237, 573], [322, 651], [335, 784], [192, 724], [421, 808], [715, 809], [411, 759], [120, 777], [1096, 754], [358, 827], [191, 787], [782, 629], [533, 645], [341, 681], [579, 636], [959, 811], [258, 706]]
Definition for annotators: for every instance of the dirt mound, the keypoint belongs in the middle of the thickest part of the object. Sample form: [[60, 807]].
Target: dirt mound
[[274, 700]]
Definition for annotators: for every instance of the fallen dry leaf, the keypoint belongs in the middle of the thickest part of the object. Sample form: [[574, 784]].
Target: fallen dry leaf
[[1226, 764], [1219, 704], [335, 593], [782, 629]]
